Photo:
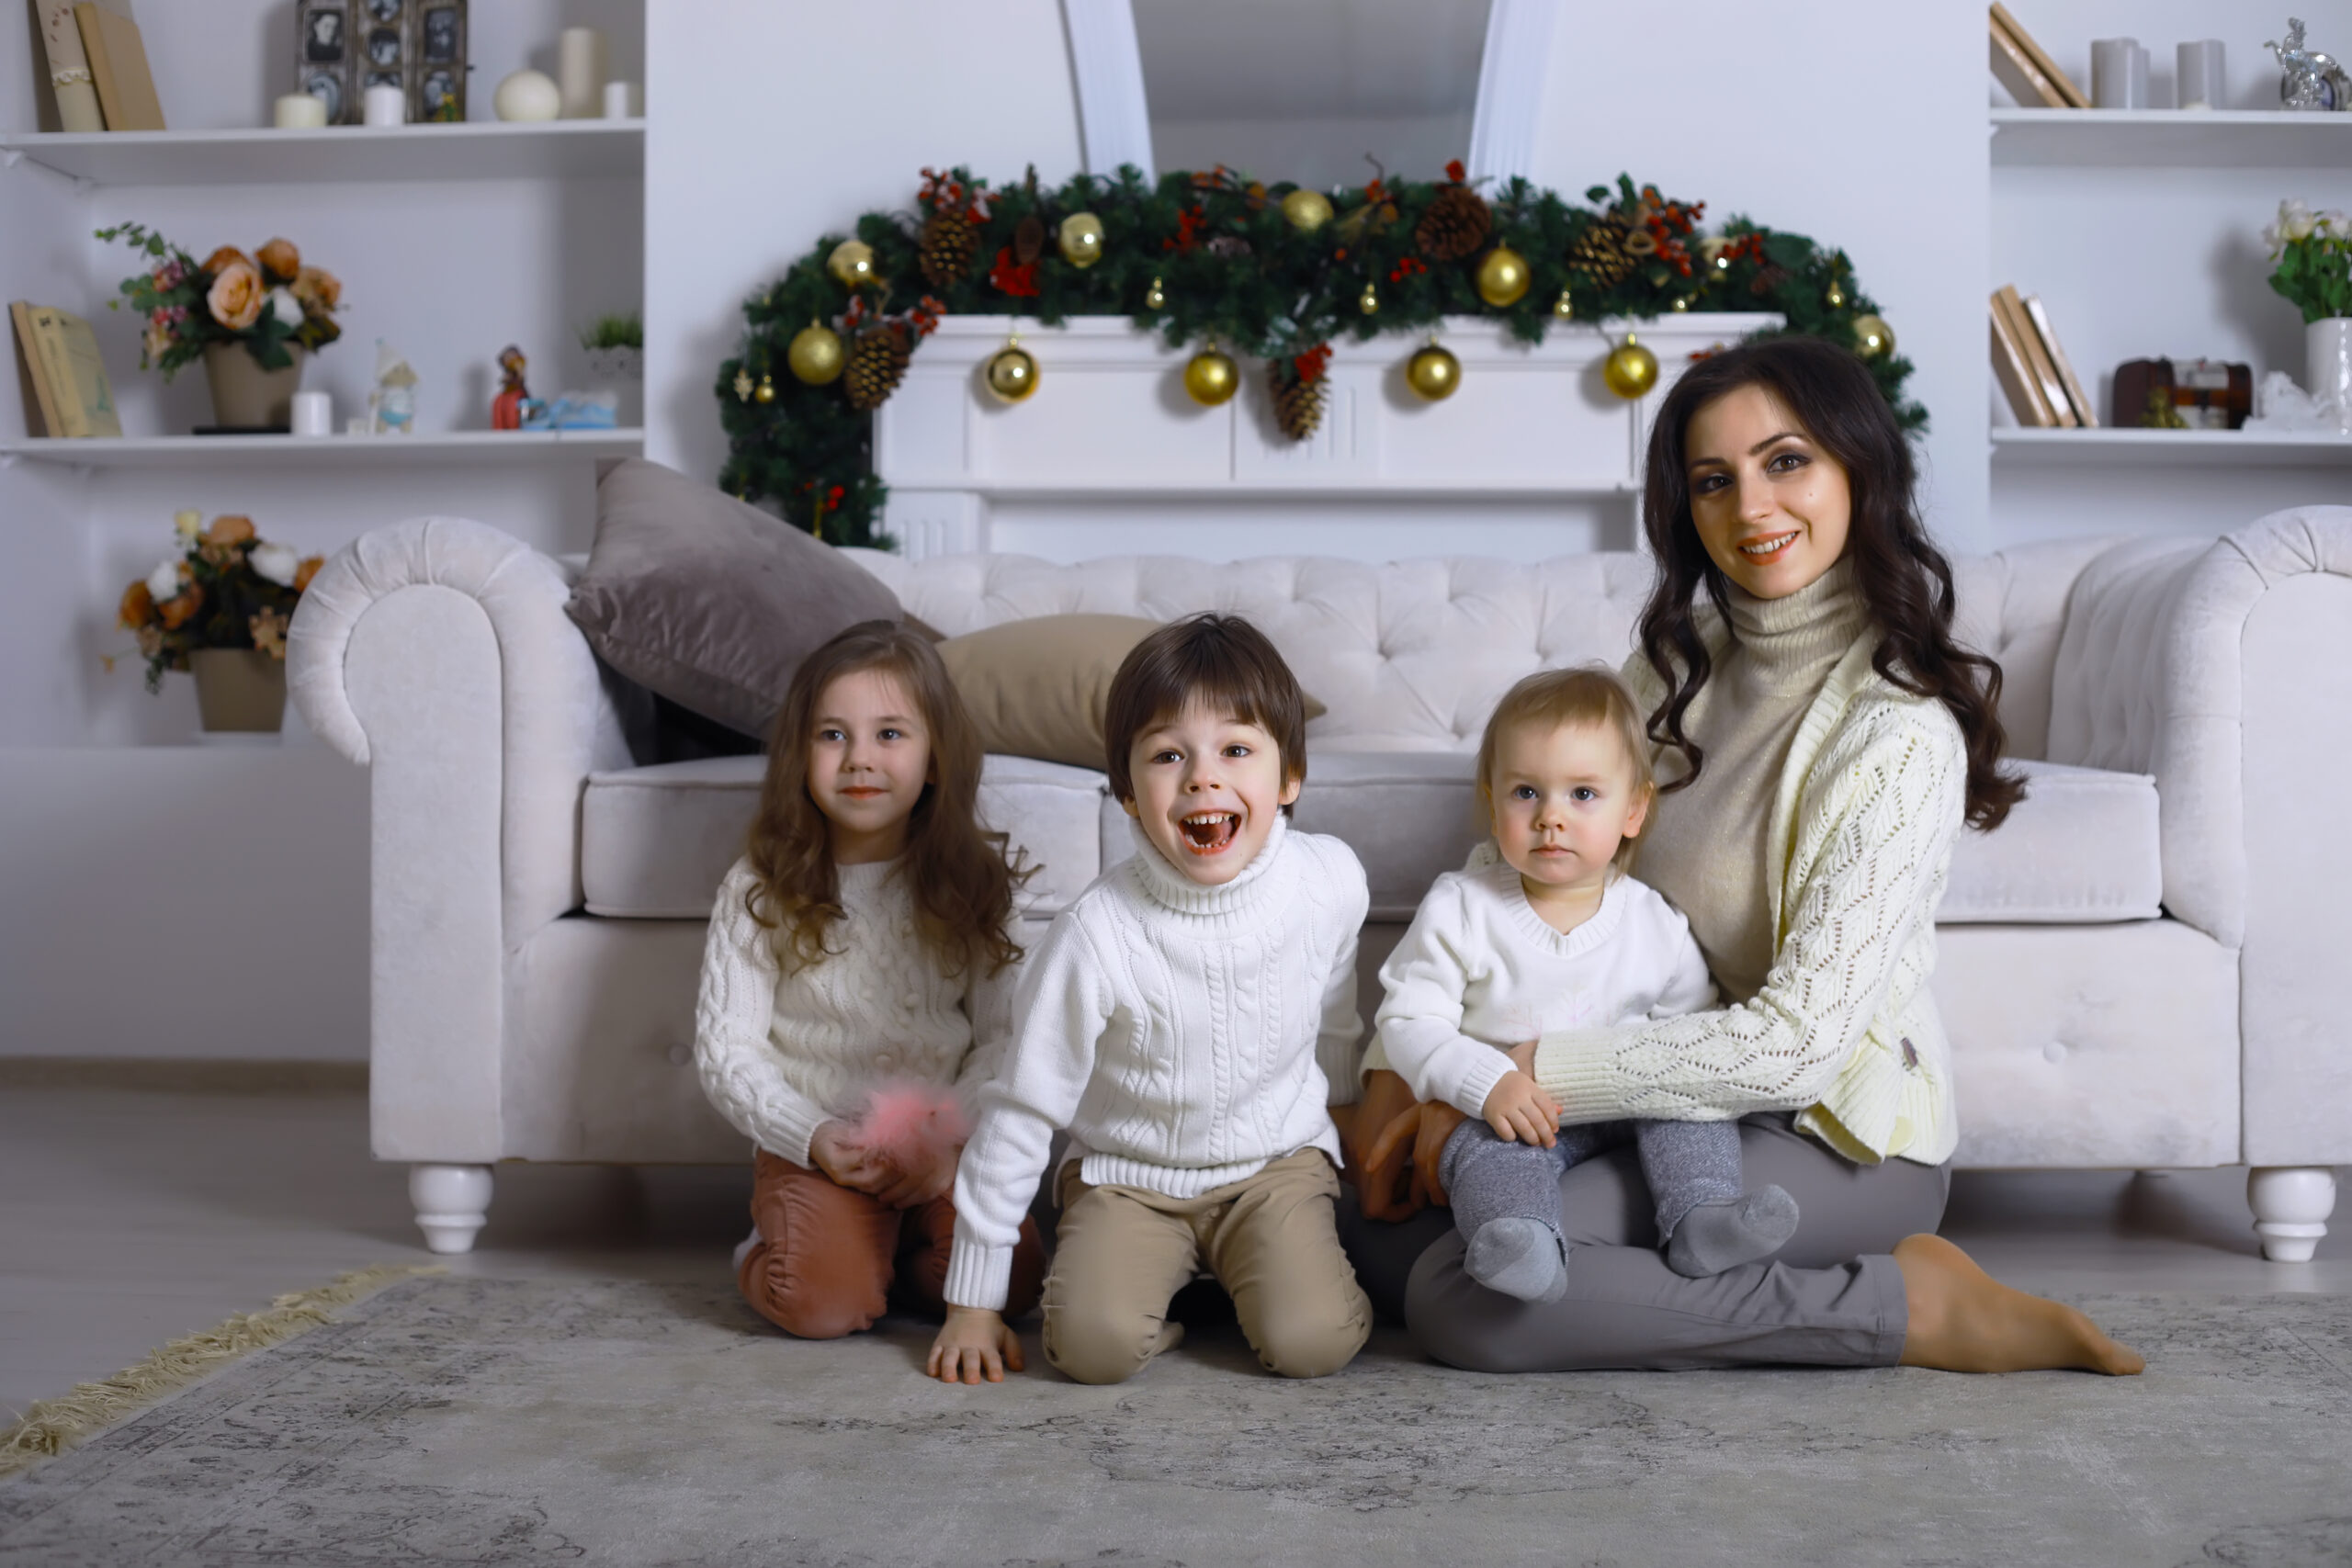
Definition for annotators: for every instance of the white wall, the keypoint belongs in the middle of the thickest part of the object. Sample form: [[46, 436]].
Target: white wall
[[775, 122]]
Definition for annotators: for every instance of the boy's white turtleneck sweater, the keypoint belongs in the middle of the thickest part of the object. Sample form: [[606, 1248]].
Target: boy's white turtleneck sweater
[[1187, 1037]]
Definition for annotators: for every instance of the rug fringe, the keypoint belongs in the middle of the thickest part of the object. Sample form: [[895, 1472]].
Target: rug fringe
[[52, 1425]]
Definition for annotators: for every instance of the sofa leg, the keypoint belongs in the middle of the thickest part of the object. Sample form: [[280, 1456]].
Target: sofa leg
[[452, 1203], [2291, 1204]]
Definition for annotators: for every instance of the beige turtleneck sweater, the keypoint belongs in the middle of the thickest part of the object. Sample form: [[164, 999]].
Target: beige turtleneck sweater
[[1706, 849]]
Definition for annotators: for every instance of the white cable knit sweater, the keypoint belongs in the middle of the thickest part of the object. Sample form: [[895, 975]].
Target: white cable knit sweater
[[781, 1053], [1480, 971], [1187, 1037]]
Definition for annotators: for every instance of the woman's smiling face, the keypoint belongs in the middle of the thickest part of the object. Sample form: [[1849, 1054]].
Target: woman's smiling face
[[1771, 506]]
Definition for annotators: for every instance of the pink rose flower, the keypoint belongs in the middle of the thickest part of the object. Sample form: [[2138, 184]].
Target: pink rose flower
[[236, 296]]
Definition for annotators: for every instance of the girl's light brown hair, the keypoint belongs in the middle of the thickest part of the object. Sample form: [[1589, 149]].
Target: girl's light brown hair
[[1588, 696], [957, 872]]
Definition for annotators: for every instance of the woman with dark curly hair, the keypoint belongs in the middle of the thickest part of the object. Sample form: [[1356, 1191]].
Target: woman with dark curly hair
[[1821, 739]]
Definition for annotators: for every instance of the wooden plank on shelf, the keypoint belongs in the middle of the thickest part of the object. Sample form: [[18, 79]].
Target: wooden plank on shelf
[[2074, 95], [2036, 358], [2015, 70], [118, 68], [2084, 411]]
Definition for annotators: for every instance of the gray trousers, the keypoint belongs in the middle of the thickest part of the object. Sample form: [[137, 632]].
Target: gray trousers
[[1831, 1297]]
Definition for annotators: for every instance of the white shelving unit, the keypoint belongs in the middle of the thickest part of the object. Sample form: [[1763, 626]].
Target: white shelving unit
[[2170, 139], [2207, 449], [277, 453], [553, 149]]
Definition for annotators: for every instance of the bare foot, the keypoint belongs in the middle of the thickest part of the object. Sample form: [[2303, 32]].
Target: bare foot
[[1964, 1320]]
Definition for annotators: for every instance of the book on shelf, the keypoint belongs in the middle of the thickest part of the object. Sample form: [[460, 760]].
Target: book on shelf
[[2025, 68], [2036, 358], [71, 101], [118, 68], [2084, 411], [2016, 377], [71, 394]]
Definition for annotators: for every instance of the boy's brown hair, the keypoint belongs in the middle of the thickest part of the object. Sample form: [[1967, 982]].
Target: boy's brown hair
[[1222, 663], [1587, 696]]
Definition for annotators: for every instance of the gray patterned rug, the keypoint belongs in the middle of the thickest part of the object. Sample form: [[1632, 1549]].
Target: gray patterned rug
[[484, 1421]]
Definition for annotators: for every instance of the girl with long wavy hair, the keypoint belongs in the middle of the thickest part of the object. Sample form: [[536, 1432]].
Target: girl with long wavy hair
[[856, 986], [1822, 738]]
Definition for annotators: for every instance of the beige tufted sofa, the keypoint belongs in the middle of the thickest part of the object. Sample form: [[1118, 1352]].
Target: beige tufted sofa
[[2136, 970]]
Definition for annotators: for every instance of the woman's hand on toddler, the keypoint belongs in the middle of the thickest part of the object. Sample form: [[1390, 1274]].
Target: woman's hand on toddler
[[974, 1343], [1516, 1107]]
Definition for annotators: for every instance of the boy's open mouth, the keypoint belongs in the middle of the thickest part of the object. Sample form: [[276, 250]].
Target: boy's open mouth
[[1206, 832]]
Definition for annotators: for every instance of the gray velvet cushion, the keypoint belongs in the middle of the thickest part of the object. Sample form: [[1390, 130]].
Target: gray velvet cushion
[[709, 601]]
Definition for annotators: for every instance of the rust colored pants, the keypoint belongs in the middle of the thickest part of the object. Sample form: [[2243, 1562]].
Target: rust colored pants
[[826, 1256]]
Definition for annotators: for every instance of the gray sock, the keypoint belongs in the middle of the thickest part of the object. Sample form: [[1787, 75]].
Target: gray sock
[[1716, 1236], [1520, 1258]]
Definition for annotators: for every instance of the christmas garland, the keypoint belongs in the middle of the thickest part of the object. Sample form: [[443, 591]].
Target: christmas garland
[[1276, 273]]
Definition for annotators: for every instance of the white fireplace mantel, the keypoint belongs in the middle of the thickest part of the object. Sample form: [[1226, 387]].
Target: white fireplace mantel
[[1110, 437]]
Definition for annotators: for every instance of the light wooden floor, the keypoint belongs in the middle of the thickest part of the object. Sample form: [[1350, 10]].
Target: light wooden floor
[[129, 1217]]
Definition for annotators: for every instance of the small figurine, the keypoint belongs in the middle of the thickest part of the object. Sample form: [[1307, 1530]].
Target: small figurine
[[507, 409], [392, 404], [2308, 79]]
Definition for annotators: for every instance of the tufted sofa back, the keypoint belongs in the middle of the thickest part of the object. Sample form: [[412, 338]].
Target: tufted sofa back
[[1411, 656]]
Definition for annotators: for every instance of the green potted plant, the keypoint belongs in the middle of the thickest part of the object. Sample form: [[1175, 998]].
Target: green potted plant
[[615, 345], [250, 319], [2313, 273], [218, 609]]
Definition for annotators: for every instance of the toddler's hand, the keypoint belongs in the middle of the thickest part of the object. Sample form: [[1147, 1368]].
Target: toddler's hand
[[974, 1343], [1518, 1110]]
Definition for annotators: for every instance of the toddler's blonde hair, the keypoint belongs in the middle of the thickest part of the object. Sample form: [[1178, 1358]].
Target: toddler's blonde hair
[[1585, 696]]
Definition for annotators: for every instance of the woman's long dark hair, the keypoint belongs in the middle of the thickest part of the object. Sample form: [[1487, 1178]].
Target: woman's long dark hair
[[1905, 579]]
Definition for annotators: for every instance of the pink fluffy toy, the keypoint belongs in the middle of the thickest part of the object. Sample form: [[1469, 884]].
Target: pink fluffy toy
[[912, 1125]]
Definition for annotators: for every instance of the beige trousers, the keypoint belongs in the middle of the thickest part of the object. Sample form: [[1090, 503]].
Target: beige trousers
[[1271, 1239]]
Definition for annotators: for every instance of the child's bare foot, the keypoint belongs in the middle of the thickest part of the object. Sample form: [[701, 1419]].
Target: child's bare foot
[[1964, 1320]]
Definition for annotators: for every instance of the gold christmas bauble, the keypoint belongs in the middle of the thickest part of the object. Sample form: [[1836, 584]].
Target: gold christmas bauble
[[1563, 307], [816, 355], [1082, 240], [1874, 339], [765, 392], [852, 263], [1012, 373], [1307, 209], [1630, 370], [1155, 295], [1369, 302], [1211, 377], [1433, 373], [1834, 296], [1502, 276]]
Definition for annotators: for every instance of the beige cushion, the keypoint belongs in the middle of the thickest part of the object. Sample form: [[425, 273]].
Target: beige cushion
[[709, 602], [1039, 687], [655, 841]]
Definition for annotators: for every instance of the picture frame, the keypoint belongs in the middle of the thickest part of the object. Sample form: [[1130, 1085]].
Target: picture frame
[[322, 57], [439, 41]]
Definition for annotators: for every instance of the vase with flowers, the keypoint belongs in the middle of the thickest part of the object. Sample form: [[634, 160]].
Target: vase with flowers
[[2313, 273], [251, 319], [218, 608]]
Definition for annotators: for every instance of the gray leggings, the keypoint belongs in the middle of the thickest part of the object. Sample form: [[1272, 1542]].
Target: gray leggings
[[1831, 1298]]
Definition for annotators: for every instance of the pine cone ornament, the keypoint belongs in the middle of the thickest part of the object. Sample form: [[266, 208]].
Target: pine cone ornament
[[1454, 225], [876, 364], [1604, 252], [944, 252], [1298, 402]]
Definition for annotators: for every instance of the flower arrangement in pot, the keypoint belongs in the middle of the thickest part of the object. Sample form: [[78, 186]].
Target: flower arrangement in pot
[[218, 609], [2312, 252], [249, 317]]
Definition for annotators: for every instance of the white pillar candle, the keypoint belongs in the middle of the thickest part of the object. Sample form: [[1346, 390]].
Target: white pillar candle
[[386, 106], [2198, 75], [300, 111], [2118, 74], [313, 414], [621, 101], [579, 72]]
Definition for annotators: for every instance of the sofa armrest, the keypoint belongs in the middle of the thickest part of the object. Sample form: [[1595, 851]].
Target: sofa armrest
[[437, 653], [2221, 669]]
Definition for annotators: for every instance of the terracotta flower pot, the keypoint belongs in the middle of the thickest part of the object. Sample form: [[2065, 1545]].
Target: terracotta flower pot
[[245, 396], [239, 689]]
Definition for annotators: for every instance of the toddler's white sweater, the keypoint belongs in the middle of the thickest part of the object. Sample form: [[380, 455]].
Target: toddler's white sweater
[[1187, 1037], [781, 1053], [1480, 971]]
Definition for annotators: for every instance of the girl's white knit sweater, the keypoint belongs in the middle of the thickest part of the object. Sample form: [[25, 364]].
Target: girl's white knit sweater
[[1480, 971], [1187, 1037], [781, 1053]]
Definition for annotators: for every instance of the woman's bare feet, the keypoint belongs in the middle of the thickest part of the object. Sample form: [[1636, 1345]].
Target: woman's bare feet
[[1964, 1320]]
